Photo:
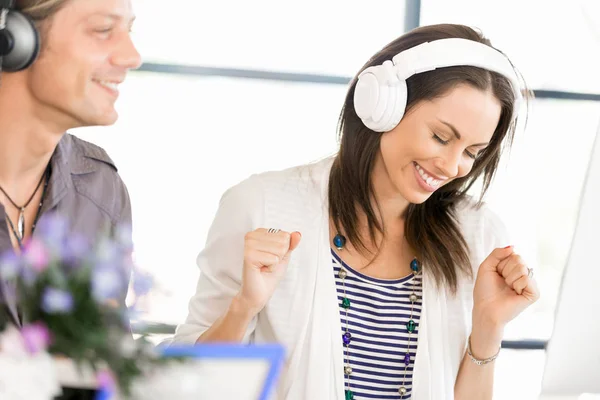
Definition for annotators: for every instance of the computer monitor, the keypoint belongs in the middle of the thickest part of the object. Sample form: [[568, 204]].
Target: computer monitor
[[573, 353]]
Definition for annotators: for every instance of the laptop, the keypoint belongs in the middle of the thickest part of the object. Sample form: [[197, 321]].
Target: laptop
[[218, 371]]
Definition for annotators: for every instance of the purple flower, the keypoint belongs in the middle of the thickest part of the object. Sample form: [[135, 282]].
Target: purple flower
[[75, 250], [36, 337], [142, 283], [107, 252], [28, 276], [36, 255], [9, 265], [56, 301], [107, 283], [106, 382], [52, 227], [124, 237]]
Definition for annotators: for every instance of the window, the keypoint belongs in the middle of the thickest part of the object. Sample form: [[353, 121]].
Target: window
[[536, 193], [325, 37], [518, 374], [551, 43], [181, 141]]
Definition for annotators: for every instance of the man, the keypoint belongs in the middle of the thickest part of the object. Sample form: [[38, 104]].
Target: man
[[85, 53]]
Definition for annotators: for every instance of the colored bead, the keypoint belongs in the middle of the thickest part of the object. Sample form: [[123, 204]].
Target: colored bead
[[414, 265], [402, 390], [347, 337], [411, 326], [349, 395], [413, 297], [339, 241], [342, 274], [407, 359], [346, 302], [347, 370]]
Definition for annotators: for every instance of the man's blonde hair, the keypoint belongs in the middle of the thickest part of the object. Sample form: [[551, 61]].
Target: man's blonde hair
[[39, 10]]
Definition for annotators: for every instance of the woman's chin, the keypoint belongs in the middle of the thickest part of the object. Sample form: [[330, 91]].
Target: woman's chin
[[415, 196], [420, 198]]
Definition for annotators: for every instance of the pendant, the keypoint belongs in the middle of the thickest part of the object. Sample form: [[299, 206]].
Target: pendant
[[346, 302], [414, 265], [21, 224], [339, 241], [347, 338]]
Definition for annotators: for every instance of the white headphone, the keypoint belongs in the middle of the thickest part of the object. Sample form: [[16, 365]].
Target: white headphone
[[380, 94]]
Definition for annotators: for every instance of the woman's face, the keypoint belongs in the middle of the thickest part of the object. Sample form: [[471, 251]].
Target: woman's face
[[435, 143]]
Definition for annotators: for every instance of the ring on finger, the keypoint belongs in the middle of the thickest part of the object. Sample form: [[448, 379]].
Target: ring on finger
[[273, 230], [529, 272]]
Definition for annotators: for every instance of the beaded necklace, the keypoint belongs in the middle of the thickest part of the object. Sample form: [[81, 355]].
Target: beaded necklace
[[339, 241]]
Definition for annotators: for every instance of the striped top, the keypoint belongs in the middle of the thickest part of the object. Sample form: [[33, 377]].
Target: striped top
[[377, 321]]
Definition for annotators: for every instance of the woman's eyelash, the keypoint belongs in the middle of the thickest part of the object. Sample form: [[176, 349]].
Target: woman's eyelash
[[439, 139], [444, 142]]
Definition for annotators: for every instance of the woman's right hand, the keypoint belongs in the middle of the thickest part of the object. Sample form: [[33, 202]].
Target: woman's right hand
[[266, 256]]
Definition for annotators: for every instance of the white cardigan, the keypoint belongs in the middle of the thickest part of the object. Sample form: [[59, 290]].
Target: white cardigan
[[303, 313]]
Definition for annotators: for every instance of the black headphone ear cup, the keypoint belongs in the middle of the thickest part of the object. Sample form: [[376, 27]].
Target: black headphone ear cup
[[26, 42]]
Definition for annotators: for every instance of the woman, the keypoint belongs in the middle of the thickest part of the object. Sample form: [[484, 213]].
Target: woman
[[374, 269]]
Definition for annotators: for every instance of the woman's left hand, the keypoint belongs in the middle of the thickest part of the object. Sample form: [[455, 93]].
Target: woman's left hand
[[504, 288]]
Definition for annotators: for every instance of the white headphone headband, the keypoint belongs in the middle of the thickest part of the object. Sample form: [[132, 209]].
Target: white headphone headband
[[380, 94]]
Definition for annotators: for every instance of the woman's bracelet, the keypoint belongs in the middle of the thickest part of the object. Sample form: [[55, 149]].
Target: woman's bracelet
[[480, 362]]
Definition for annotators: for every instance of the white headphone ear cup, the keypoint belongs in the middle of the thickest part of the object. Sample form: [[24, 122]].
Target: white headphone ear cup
[[390, 104], [367, 96], [395, 105], [372, 95], [401, 96], [382, 103]]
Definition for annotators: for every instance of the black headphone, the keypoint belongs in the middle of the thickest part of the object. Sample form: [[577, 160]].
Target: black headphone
[[19, 39]]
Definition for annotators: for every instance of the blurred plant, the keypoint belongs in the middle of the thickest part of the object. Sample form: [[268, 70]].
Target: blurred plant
[[71, 293]]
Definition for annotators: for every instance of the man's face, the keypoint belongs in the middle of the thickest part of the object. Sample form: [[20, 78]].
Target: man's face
[[86, 53]]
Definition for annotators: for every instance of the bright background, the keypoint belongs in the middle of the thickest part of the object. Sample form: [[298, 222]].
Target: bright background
[[184, 138]]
